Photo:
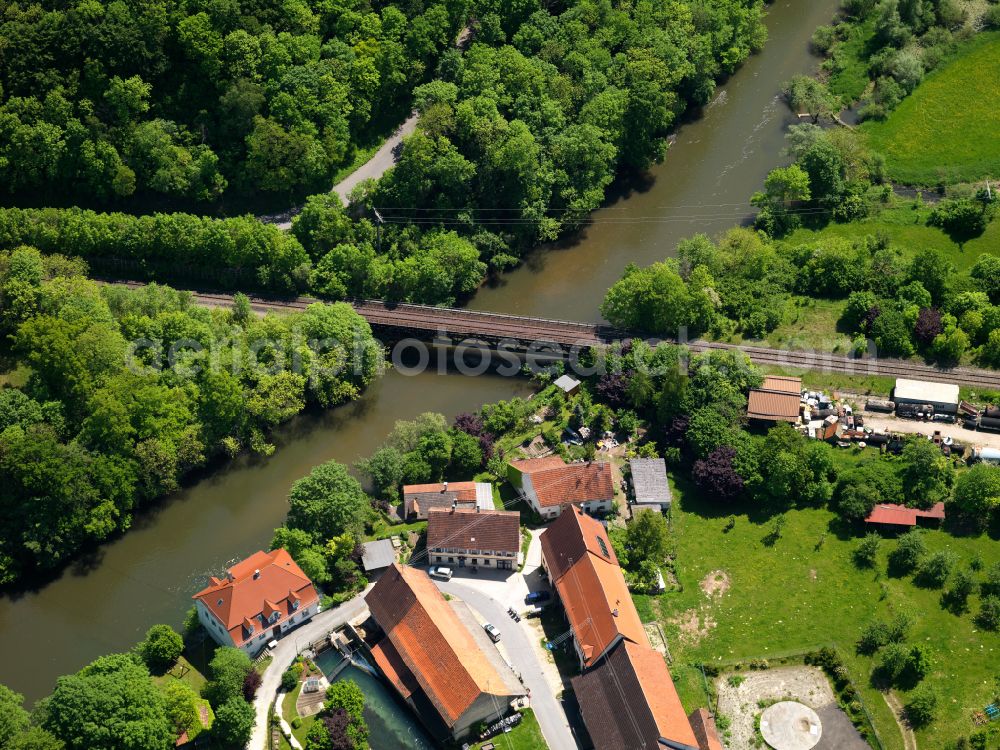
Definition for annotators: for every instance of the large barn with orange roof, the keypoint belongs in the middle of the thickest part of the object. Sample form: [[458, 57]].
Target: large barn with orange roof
[[432, 659], [626, 694], [258, 600]]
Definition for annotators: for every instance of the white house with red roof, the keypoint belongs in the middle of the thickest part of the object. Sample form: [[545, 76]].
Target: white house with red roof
[[258, 600], [550, 485]]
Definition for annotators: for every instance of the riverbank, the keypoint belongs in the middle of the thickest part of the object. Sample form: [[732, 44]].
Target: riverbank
[[106, 602]]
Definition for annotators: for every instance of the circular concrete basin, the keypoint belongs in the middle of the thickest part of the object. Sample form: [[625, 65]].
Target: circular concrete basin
[[790, 726]]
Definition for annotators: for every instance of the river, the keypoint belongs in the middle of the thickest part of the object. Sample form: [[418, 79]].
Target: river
[[106, 602]]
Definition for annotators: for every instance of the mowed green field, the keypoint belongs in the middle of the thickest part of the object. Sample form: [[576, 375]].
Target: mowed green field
[[948, 130], [804, 592], [906, 227]]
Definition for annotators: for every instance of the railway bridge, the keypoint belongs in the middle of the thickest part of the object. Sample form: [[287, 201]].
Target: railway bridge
[[552, 337]]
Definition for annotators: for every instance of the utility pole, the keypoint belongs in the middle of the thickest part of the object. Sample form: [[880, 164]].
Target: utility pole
[[378, 230]]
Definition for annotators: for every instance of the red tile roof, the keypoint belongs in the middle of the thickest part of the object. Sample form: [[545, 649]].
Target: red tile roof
[[629, 702], [900, 515], [531, 465], [590, 584], [239, 600], [427, 646], [469, 529], [570, 538], [572, 483], [419, 498]]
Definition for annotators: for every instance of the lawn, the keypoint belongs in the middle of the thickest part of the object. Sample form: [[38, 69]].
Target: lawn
[[804, 592], [187, 673], [184, 671], [948, 130], [291, 715], [906, 226], [525, 736]]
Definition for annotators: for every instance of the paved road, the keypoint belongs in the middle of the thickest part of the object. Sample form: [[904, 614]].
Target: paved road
[[375, 167], [286, 651], [549, 711], [380, 163]]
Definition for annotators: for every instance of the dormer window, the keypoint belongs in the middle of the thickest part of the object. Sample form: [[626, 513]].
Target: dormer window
[[274, 616], [295, 605]]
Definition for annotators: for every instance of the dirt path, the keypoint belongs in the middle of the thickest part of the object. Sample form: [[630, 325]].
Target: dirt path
[[909, 739]]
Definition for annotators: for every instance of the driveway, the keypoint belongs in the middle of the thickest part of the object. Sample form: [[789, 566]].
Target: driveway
[[285, 652], [489, 594], [913, 427]]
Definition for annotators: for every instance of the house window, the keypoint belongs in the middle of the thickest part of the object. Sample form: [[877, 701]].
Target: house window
[[295, 605], [451, 559]]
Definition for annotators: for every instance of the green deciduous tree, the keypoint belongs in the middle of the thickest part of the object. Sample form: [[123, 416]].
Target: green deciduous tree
[[161, 647], [110, 704], [233, 723], [226, 672], [327, 502], [977, 492]]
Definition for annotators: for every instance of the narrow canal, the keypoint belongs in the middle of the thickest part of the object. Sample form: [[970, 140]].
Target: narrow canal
[[106, 603]]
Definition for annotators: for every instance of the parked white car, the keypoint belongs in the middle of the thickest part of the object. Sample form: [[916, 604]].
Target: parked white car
[[439, 571]]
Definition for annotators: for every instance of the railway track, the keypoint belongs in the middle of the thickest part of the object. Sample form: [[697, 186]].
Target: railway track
[[474, 324]]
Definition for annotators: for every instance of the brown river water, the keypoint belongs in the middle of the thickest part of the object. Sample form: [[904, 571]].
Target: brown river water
[[106, 602]]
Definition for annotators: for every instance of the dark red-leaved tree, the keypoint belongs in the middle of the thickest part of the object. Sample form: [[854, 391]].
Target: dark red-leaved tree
[[928, 325], [717, 476], [869, 319], [250, 684], [337, 722], [470, 423], [613, 389]]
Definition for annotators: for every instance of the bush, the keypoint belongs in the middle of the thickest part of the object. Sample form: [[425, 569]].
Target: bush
[[909, 552], [989, 613], [961, 218], [934, 571], [866, 552], [290, 677], [922, 707]]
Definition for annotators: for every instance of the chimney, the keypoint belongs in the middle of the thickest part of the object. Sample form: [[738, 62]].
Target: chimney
[[444, 487], [614, 612], [454, 505], [256, 574]]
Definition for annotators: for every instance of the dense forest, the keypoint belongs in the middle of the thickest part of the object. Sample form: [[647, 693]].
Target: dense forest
[[179, 103], [520, 136], [128, 107], [125, 392]]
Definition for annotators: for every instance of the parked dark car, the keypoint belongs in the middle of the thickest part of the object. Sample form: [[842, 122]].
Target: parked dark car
[[535, 597]]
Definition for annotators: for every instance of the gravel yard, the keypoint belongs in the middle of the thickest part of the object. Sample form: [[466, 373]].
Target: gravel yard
[[808, 685]]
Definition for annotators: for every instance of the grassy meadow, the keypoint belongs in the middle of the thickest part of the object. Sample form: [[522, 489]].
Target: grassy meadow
[[948, 130], [804, 592]]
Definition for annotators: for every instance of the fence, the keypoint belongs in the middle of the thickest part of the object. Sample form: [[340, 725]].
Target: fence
[[795, 656]]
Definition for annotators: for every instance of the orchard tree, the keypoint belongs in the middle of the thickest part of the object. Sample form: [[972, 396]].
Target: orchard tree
[[977, 493], [909, 553]]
